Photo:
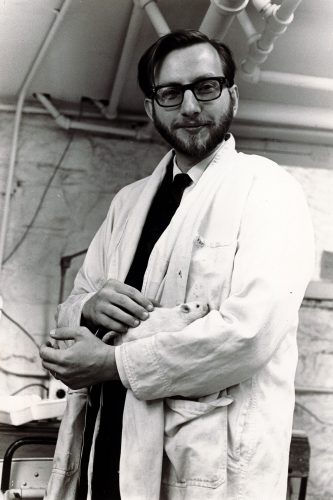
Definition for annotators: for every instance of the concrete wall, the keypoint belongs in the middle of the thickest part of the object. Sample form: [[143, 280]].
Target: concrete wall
[[93, 169]]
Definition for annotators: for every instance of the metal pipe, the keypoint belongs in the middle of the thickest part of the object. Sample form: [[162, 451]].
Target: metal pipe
[[27, 81], [282, 133], [278, 19], [294, 80], [287, 9], [280, 114], [125, 61], [153, 12], [68, 124], [220, 15], [122, 116], [247, 26]]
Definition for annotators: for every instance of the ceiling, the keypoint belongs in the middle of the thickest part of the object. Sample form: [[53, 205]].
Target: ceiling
[[83, 57]]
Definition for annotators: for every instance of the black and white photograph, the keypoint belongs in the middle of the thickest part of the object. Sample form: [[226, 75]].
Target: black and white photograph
[[166, 249]]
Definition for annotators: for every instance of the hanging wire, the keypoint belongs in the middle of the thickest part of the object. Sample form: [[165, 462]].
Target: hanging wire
[[20, 327], [25, 375], [27, 386], [47, 187]]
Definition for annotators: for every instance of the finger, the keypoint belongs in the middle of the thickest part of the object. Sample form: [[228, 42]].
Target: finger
[[155, 303], [109, 336], [111, 324], [128, 306], [50, 355], [66, 333], [125, 316], [133, 294]]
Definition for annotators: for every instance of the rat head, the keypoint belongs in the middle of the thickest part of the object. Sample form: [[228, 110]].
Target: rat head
[[194, 310]]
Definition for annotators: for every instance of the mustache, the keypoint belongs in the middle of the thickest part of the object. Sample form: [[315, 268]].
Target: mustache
[[191, 123]]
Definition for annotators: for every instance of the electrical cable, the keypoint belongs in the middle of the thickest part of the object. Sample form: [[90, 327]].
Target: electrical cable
[[20, 327], [39, 206], [57, 167], [27, 386], [25, 375]]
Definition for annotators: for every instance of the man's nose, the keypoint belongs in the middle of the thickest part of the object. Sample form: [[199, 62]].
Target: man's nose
[[190, 105]]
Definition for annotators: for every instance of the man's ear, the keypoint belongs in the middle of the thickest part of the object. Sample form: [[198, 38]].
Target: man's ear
[[149, 108], [234, 94]]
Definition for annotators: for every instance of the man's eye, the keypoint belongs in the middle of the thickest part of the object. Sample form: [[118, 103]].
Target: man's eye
[[207, 87], [168, 93]]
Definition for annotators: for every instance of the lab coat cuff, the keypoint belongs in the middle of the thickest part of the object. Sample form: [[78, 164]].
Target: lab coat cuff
[[144, 371]]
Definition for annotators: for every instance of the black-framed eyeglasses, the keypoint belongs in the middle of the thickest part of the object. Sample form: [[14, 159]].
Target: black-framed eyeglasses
[[207, 89]]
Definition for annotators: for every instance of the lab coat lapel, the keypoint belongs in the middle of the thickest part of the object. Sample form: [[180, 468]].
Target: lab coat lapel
[[133, 227], [169, 263]]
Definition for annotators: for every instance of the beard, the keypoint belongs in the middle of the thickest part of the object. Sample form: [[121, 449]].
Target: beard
[[195, 146]]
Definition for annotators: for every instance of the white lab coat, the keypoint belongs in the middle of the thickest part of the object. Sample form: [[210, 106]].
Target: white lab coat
[[242, 241]]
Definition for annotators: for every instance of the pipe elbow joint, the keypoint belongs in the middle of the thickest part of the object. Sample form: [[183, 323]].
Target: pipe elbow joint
[[276, 25], [249, 74], [63, 121]]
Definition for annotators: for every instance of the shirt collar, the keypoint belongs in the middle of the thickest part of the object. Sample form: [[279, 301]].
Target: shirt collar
[[198, 169]]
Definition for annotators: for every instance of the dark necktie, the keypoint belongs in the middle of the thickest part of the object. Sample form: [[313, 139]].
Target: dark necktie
[[180, 183], [163, 208], [105, 482]]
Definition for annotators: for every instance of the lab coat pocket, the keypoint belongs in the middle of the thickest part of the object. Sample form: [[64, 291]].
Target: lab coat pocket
[[211, 269], [195, 443]]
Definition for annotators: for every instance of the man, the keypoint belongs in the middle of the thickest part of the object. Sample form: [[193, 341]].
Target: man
[[208, 411]]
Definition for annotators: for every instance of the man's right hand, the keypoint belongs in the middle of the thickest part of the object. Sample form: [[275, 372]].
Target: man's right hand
[[116, 306]]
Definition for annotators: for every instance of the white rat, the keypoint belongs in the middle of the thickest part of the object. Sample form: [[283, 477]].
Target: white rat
[[161, 319]]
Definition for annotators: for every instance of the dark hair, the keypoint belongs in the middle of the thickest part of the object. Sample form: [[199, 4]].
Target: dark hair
[[179, 39]]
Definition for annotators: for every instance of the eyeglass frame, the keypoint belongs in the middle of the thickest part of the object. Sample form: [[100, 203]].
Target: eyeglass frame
[[222, 80]]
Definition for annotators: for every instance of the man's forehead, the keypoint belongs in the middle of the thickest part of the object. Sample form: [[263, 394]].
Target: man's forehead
[[189, 63]]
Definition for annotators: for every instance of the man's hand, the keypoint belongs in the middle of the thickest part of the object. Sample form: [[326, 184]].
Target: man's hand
[[116, 306], [86, 362]]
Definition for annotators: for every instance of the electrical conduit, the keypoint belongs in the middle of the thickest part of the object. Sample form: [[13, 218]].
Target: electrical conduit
[[18, 115]]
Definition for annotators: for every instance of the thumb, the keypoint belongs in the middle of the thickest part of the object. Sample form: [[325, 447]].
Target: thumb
[[65, 333]]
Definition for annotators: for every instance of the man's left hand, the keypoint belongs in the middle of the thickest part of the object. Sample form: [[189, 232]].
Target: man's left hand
[[86, 362]]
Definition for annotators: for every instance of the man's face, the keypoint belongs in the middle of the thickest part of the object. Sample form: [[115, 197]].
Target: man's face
[[194, 128]]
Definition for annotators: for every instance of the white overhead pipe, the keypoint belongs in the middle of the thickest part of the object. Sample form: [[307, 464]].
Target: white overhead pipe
[[220, 15], [281, 133], [282, 114], [68, 124], [247, 26], [278, 19], [95, 115], [287, 9], [131, 117], [125, 60], [18, 115], [153, 12], [295, 80]]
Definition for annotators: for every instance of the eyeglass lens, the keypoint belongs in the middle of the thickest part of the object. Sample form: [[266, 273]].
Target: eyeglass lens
[[204, 90]]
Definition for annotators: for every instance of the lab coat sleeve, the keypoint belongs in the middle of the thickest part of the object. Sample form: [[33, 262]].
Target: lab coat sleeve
[[90, 278], [271, 269]]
